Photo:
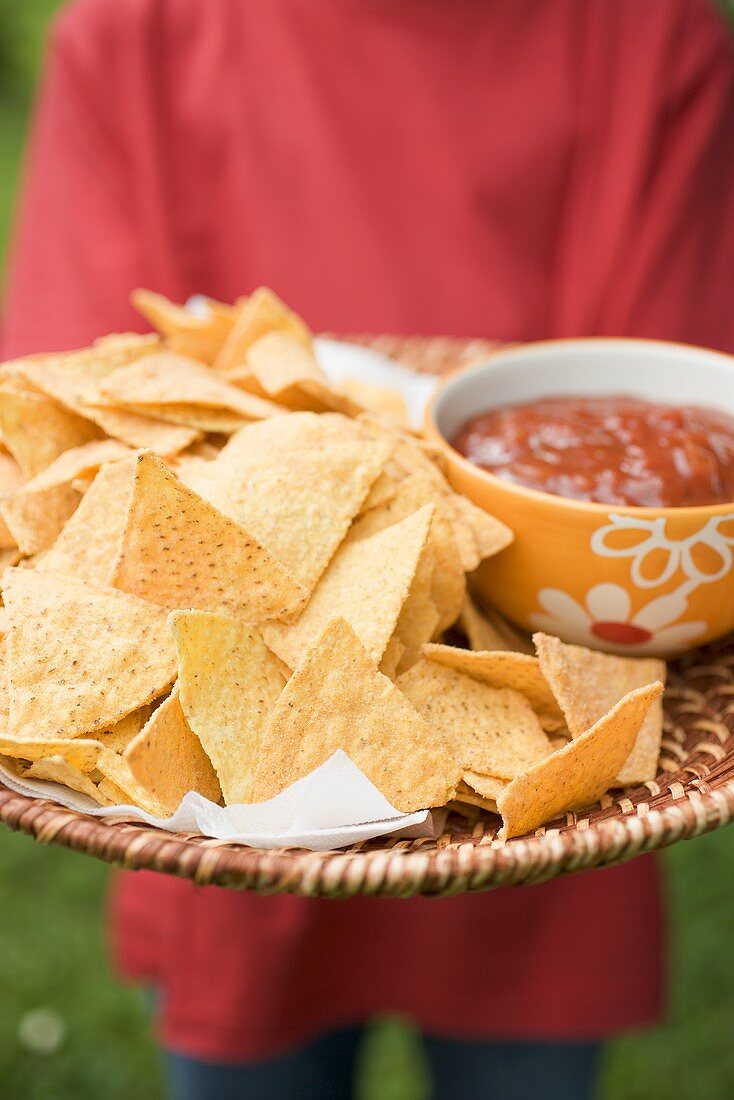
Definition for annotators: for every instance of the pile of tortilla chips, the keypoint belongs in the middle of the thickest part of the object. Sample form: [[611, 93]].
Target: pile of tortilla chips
[[219, 569]]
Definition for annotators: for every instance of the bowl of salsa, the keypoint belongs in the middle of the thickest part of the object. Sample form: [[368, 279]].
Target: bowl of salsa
[[613, 462]]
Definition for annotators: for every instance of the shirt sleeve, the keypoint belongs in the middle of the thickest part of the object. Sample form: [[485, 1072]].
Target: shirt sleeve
[[647, 240], [80, 244]]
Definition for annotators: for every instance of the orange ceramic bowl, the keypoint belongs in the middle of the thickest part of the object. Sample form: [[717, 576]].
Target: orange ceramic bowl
[[625, 579]]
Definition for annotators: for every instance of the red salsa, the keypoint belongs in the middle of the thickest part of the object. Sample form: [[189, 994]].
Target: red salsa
[[614, 450]]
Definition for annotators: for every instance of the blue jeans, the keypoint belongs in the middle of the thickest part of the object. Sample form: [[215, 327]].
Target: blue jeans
[[324, 1070]]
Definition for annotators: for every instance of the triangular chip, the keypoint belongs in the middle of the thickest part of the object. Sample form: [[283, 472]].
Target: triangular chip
[[577, 775], [367, 583], [82, 753], [283, 369], [55, 769], [179, 551], [89, 545], [419, 481], [262, 312], [488, 788], [78, 658], [485, 629], [168, 379], [229, 683], [35, 518], [67, 380], [337, 699], [587, 684], [200, 334], [504, 670], [126, 787], [119, 736], [78, 462], [36, 429], [376, 399], [493, 731], [167, 758], [296, 482]]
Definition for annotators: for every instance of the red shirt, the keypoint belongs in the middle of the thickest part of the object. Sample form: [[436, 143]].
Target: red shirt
[[510, 169]]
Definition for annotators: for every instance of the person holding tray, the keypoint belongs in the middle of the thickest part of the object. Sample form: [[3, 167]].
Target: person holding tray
[[504, 169]]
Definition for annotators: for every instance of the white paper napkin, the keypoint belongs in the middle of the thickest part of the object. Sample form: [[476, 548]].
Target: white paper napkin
[[334, 806]]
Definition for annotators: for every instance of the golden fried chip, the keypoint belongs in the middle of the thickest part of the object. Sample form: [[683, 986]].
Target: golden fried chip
[[488, 631], [119, 736], [78, 658], [493, 731], [488, 788], [67, 380], [82, 753], [56, 769], [166, 379], [263, 312], [89, 545], [367, 583], [587, 684], [167, 758], [418, 482], [195, 418], [229, 684], [376, 399], [504, 670], [201, 336], [36, 429], [179, 551], [77, 462], [420, 618], [126, 787], [337, 699], [577, 775], [35, 519], [280, 367], [296, 482]]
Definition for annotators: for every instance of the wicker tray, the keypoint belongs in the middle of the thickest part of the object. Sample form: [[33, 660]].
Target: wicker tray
[[693, 794]]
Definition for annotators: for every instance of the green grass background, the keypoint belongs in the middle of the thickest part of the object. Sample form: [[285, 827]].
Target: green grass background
[[52, 942]]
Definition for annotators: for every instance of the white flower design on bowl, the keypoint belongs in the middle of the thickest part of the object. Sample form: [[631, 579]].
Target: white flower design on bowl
[[605, 619]]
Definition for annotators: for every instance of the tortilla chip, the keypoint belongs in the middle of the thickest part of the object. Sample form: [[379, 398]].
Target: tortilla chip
[[577, 775], [67, 380], [282, 368], [79, 659], [383, 490], [229, 684], [296, 482], [89, 545], [263, 312], [376, 399], [367, 583], [493, 731], [36, 429], [172, 380], [488, 788], [488, 631], [78, 462], [126, 787], [82, 753], [167, 758], [448, 582], [504, 670], [35, 519], [179, 551], [11, 477], [418, 482], [119, 736], [186, 332], [420, 618], [337, 699], [587, 684], [55, 769]]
